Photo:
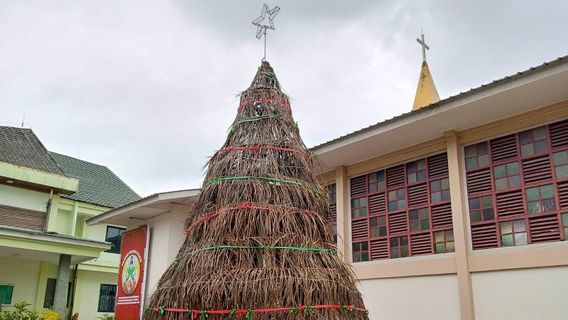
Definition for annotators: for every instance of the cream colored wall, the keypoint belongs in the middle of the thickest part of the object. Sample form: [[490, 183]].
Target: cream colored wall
[[166, 237], [23, 275], [424, 298], [526, 294], [23, 198], [87, 292]]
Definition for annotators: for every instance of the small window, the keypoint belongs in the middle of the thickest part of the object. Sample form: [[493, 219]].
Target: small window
[[397, 200], [50, 293], [359, 208], [533, 141], [114, 235], [476, 156], [378, 226], [399, 247], [377, 182], [565, 225], [332, 194], [444, 241], [107, 295], [360, 251], [481, 209], [560, 160], [540, 199], [440, 190], [416, 171], [507, 176], [6, 292], [419, 220], [513, 233]]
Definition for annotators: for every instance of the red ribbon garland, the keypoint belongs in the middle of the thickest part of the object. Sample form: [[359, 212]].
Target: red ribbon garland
[[244, 205], [241, 312], [279, 102]]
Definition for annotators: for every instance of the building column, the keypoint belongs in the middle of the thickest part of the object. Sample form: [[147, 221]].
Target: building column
[[342, 207], [62, 285], [460, 223]]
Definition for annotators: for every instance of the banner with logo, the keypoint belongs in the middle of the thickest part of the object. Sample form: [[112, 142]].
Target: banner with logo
[[131, 274]]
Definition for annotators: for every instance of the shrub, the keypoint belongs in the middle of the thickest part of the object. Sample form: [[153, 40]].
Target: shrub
[[50, 315], [20, 311], [106, 317]]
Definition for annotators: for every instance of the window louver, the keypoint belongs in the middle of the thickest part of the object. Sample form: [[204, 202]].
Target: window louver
[[379, 249], [479, 181], [544, 228], [503, 148], [359, 230], [421, 244], [559, 134], [438, 165], [442, 216], [537, 169], [484, 236], [398, 223], [377, 203], [418, 195], [510, 203], [395, 176], [358, 186]]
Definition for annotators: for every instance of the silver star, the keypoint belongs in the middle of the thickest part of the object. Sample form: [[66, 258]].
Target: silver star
[[261, 22]]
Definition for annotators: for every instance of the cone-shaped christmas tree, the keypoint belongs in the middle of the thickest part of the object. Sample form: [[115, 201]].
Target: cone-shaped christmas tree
[[259, 242]]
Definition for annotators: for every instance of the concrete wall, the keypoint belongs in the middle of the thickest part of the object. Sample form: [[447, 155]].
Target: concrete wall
[[87, 292], [526, 294], [166, 237], [23, 275], [425, 298], [23, 198]]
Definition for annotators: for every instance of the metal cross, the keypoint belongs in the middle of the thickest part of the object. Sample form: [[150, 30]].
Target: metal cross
[[424, 46], [262, 23]]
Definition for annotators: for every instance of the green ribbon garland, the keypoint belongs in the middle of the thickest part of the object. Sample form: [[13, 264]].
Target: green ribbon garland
[[162, 311], [308, 309], [311, 249], [249, 314], [204, 314], [218, 180], [255, 119]]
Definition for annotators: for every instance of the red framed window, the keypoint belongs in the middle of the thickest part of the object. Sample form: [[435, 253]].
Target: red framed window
[[397, 199], [534, 141], [507, 176], [540, 199], [565, 224], [444, 241], [520, 195], [440, 190], [359, 208], [416, 171], [560, 161], [377, 182], [419, 220], [513, 233], [393, 212], [481, 209], [360, 251], [399, 247], [476, 156]]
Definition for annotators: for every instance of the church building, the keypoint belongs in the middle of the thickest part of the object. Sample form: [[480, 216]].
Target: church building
[[457, 209]]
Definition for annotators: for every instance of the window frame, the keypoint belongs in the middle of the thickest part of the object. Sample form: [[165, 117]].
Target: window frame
[[115, 243], [111, 298]]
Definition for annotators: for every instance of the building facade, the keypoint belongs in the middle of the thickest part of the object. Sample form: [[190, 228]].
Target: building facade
[[49, 257]]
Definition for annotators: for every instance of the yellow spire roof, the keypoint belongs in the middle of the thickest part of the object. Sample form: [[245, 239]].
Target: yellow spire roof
[[426, 92]]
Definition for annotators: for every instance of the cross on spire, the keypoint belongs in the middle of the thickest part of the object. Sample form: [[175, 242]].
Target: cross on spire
[[424, 46]]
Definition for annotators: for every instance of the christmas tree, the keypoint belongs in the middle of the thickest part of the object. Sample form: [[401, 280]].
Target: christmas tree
[[259, 237]]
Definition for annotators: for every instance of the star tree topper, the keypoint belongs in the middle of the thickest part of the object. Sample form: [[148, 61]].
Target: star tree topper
[[264, 23]]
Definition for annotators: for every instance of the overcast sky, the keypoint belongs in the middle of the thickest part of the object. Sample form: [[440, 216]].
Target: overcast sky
[[148, 88]]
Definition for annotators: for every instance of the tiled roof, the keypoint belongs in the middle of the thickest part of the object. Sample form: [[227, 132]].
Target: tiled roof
[[97, 184], [461, 95], [21, 147]]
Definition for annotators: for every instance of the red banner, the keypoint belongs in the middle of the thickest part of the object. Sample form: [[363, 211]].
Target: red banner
[[131, 274]]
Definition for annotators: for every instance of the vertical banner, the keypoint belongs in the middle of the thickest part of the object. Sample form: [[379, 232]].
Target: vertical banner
[[131, 274]]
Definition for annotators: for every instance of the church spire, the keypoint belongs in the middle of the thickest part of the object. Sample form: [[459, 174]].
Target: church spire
[[426, 92]]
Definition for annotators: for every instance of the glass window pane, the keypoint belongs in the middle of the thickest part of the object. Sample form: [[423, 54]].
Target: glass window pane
[[450, 247], [421, 164], [562, 172], [382, 220], [470, 151], [539, 133], [519, 225], [439, 236], [392, 205], [560, 158], [483, 160], [548, 205], [527, 149], [392, 195], [365, 256], [373, 187], [526, 136], [445, 184], [514, 181], [424, 225], [501, 184], [565, 219], [440, 247], [482, 148], [382, 231], [414, 215], [507, 240], [404, 252], [414, 226], [506, 227], [475, 216], [513, 168], [532, 194], [547, 191], [500, 171], [487, 202], [533, 207], [373, 222], [488, 214], [449, 236], [424, 214], [401, 204], [471, 163], [436, 197], [421, 176], [474, 203], [520, 239], [412, 178], [363, 202]]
